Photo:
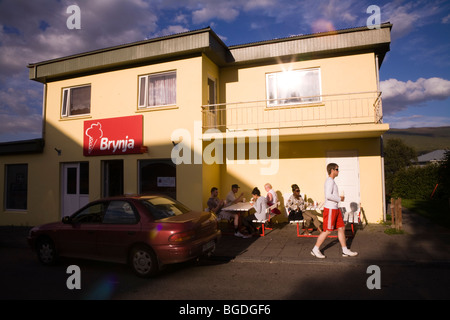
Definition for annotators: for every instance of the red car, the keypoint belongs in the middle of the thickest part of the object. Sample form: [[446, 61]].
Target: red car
[[144, 231]]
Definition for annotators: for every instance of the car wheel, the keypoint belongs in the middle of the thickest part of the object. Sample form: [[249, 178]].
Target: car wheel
[[46, 252], [143, 261]]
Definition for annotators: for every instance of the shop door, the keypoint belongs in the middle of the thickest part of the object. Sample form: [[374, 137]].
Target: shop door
[[75, 187], [112, 178], [348, 179]]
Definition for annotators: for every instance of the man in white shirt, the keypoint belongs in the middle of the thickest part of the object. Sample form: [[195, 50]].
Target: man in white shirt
[[231, 196], [332, 217]]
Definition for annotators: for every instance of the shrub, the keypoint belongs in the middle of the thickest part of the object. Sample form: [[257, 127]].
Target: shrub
[[416, 182]]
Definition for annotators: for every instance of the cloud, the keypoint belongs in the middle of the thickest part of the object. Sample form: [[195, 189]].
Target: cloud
[[174, 29], [398, 95], [446, 19], [39, 29], [322, 25], [221, 10], [17, 115], [408, 16], [36, 30]]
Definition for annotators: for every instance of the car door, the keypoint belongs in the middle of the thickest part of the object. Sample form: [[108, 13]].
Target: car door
[[78, 238], [119, 230]]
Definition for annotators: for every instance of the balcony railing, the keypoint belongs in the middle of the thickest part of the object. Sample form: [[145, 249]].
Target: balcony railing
[[324, 110]]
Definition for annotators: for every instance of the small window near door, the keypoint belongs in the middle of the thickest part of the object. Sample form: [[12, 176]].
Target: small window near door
[[16, 187]]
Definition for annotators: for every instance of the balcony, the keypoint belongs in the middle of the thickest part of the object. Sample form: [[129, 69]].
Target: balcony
[[325, 110], [342, 113]]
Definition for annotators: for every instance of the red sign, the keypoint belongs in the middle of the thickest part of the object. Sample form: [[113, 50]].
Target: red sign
[[113, 136]]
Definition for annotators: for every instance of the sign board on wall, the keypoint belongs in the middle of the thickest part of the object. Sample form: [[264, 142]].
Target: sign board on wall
[[113, 136]]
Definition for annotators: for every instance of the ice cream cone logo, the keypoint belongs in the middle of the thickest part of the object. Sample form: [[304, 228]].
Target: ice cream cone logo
[[94, 133]]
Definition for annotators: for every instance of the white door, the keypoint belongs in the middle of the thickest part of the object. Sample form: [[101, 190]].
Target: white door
[[75, 187], [348, 179]]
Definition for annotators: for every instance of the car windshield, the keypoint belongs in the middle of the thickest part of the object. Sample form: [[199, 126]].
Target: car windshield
[[161, 207]]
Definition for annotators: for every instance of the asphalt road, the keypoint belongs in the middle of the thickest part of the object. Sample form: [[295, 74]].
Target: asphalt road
[[22, 277]]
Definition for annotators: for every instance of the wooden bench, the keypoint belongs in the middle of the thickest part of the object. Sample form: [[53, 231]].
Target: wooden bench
[[263, 223]]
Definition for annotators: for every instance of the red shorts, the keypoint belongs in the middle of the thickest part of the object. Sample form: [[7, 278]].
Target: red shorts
[[332, 219]]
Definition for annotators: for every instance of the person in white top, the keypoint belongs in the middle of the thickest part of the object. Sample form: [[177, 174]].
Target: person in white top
[[231, 196], [332, 216], [271, 198], [260, 205]]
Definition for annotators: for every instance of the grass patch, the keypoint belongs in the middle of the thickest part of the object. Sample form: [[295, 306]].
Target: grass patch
[[392, 231], [437, 211]]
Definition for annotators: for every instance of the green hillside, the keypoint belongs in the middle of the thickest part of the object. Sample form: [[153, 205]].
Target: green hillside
[[424, 139]]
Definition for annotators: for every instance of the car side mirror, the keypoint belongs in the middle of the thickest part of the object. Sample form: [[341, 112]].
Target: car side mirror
[[67, 220]]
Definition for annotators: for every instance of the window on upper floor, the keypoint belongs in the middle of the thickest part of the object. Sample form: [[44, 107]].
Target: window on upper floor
[[157, 90], [76, 101], [293, 87]]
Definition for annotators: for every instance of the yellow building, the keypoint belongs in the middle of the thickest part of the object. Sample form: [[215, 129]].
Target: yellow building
[[183, 113]]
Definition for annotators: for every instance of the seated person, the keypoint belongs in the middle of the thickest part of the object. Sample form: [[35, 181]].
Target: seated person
[[260, 206], [215, 205], [271, 198], [231, 196], [296, 208]]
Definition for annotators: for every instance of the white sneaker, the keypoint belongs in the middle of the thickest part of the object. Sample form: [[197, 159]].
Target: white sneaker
[[349, 253], [240, 235], [317, 254]]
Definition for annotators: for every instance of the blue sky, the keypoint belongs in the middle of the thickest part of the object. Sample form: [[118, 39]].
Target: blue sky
[[415, 75]]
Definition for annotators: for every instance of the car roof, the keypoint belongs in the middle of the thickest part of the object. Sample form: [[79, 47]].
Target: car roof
[[134, 196]]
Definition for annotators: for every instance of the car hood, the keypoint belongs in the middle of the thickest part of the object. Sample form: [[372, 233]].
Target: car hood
[[48, 226]]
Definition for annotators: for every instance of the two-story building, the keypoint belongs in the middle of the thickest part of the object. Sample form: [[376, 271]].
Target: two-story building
[[183, 113]]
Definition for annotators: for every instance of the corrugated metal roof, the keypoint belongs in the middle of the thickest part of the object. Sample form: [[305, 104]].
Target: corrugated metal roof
[[354, 39], [436, 155], [172, 46], [206, 41]]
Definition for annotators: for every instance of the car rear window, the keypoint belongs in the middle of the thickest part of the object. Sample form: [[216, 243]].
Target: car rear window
[[161, 208]]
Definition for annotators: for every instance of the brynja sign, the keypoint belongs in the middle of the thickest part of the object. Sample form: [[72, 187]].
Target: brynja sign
[[113, 136]]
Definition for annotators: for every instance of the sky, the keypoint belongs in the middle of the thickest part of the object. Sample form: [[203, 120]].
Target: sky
[[414, 77]]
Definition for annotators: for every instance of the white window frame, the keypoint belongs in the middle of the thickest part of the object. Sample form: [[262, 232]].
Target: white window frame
[[274, 80], [65, 99], [143, 94]]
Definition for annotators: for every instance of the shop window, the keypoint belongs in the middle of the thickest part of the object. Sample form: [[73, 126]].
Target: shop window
[[156, 90], [76, 101], [158, 176], [293, 87], [16, 187]]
